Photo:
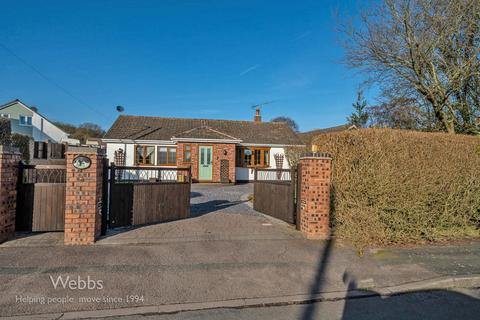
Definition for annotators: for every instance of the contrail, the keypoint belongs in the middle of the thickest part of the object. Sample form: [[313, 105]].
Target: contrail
[[244, 72]]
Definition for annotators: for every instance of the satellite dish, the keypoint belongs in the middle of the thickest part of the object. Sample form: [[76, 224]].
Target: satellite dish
[[120, 109]]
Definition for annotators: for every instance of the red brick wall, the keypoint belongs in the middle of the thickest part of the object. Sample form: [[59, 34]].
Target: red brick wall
[[219, 151], [218, 155], [8, 194], [83, 197], [315, 178], [194, 157]]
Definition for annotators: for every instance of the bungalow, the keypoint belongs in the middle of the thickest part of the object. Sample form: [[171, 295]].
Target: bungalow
[[216, 150]]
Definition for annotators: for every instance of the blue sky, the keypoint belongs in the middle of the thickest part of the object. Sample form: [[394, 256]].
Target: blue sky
[[199, 59]]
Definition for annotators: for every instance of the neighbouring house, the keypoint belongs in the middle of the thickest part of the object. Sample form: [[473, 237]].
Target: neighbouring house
[[308, 136], [216, 150], [27, 121], [94, 142]]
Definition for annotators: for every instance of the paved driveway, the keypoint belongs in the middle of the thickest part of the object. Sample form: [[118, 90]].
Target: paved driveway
[[218, 212], [207, 198]]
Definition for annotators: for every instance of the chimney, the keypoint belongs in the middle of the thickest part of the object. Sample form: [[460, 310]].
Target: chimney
[[258, 117]]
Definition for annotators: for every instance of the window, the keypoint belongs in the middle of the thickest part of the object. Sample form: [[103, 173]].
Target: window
[[144, 155], [167, 156], [4, 115], [187, 153], [253, 157], [25, 121]]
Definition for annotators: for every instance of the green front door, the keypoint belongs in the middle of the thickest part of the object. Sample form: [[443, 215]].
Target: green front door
[[205, 167]]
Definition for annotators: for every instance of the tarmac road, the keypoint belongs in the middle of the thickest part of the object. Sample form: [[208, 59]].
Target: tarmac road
[[459, 304]]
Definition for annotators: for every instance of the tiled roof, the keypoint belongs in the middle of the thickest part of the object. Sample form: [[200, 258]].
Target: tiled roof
[[204, 133], [157, 128]]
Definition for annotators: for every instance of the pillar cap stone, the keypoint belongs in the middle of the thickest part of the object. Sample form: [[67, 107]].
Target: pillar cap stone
[[85, 150], [316, 155]]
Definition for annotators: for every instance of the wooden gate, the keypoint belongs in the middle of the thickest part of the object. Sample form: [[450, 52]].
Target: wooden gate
[[40, 198], [148, 195], [274, 193]]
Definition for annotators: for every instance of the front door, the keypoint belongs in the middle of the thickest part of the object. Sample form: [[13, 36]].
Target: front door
[[205, 168]]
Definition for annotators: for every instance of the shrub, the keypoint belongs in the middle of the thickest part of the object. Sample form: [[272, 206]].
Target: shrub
[[398, 186]]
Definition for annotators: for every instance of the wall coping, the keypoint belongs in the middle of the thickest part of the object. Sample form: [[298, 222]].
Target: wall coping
[[85, 150], [9, 150], [316, 155]]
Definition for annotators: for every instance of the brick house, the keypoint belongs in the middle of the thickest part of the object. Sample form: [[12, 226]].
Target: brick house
[[216, 150]]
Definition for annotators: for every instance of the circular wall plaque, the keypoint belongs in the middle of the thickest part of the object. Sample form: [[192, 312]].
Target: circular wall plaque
[[82, 162]]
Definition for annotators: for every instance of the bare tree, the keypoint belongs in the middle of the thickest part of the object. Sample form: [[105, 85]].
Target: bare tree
[[398, 113], [423, 49]]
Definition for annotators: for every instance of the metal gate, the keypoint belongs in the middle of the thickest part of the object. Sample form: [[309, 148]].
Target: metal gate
[[40, 198], [275, 193], [143, 195]]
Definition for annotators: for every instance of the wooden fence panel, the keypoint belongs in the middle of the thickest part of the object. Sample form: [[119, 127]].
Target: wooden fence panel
[[142, 195], [275, 199], [49, 207], [159, 202]]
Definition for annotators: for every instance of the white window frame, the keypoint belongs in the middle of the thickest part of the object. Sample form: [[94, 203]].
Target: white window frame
[[26, 124], [5, 115]]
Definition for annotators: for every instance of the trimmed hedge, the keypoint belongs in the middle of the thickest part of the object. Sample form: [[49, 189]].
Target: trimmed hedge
[[398, 186]]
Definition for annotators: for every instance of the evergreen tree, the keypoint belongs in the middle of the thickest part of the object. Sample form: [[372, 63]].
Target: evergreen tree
[[359, 117]]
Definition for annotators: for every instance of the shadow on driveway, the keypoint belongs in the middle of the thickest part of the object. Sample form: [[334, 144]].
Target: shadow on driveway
[[199, 209]]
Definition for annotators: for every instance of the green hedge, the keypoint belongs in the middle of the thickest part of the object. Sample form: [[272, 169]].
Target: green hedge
[[398, 186]]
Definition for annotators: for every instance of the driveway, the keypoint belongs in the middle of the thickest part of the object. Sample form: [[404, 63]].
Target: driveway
[[218, 212]]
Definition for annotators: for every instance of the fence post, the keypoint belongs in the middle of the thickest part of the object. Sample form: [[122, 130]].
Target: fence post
[[315, 180], [113, 177], [83, 196], [9, 158], [105, 197]]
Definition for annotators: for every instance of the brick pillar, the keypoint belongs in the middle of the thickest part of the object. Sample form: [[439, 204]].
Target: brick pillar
[[315, 177], [83, 197], [9, 159]]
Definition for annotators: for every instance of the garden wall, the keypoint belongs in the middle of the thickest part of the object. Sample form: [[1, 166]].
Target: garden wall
[[397, 186]]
